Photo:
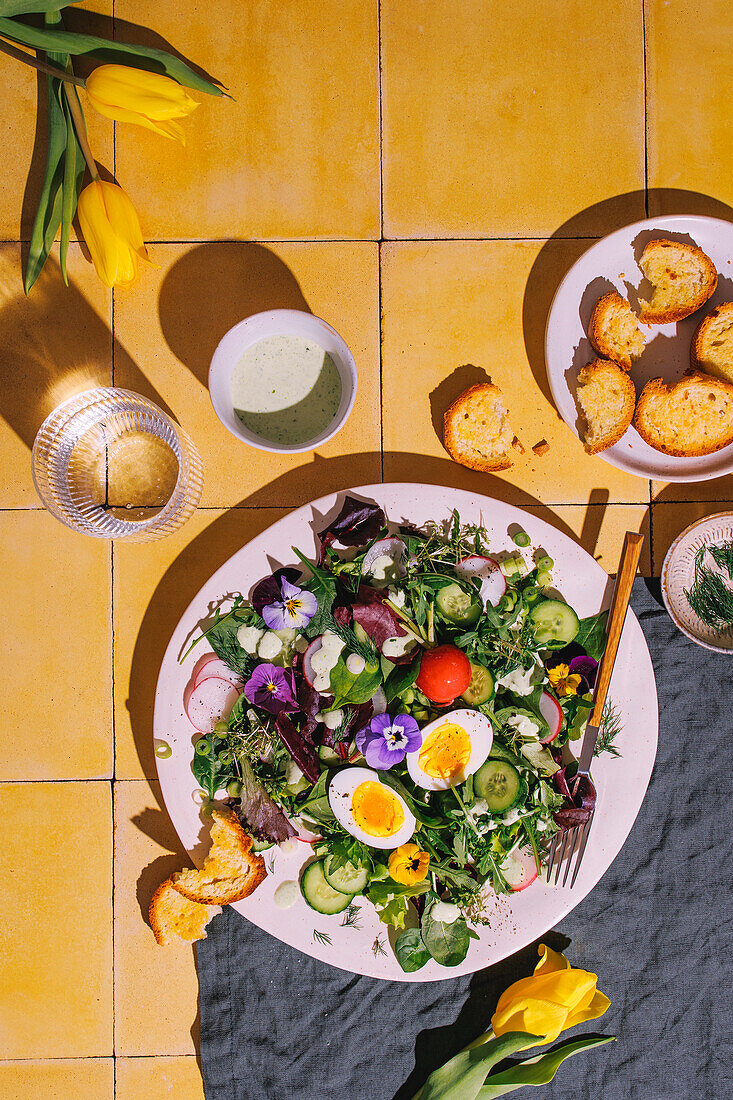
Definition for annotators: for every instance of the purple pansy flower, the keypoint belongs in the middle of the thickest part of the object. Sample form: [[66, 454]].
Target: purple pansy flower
[[296, 608], [386, 741], [584, 666], [271, 688]]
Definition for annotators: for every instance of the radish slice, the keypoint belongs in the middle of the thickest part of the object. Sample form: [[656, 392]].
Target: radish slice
[[211, 700], [200, 665], [493, 583], [385, 548], [519, 869], [379, 701], [216, 667], [551, 711], [307, 657]]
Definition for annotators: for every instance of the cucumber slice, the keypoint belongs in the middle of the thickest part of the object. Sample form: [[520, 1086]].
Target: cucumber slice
[[499, 783], [481, 687], [457, 605], [317, 892], [328, 755], [553, 621], [261, 845], [347, 878]]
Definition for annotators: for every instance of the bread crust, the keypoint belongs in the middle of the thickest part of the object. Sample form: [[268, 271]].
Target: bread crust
[[598, 326], [192, 885], [454, 430], [698, 349], [678, 313], [156, 915], [657, 397], [601, 368]]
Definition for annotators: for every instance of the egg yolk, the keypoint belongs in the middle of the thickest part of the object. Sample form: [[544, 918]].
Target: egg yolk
[[376, 810], [445, 752]]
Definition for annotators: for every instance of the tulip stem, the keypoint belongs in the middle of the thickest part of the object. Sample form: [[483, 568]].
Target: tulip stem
[[43, 66], [72, 98]]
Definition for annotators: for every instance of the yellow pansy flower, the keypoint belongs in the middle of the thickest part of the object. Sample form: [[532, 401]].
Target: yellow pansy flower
[[554, 998], [562, 683], [111, 229], [145, 99], [408, 864]]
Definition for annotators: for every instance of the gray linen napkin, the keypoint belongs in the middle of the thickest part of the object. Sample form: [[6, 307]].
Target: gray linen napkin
[[276, 1025]]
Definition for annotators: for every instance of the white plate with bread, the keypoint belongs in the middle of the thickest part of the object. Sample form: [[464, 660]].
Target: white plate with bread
[[639, 348]]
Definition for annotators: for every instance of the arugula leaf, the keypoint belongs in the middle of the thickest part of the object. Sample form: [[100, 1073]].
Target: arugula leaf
[[400, 679], [348, 688], [411, 952], [447, 943], [592, 635]]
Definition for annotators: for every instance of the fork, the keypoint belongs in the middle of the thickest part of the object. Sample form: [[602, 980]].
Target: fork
[[575, 838]]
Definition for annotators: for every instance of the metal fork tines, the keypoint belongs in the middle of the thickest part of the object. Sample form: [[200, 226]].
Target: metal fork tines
[[564, 845]]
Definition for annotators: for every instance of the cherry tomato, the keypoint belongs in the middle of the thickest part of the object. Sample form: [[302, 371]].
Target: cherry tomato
[[445, 673]]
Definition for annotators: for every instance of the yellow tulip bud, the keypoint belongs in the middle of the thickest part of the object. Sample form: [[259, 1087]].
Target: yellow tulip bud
[[554, 998], [408, 864], [135, 95], [111, 229]]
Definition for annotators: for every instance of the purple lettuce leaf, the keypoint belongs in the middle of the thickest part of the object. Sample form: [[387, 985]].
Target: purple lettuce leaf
[[299, 743], [260, 815], [581, 804], [358, 522]]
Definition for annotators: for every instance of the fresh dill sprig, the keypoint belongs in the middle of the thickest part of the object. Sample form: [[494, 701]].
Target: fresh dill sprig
[[351, 917], [709, 596], [609, 730], [723, 557], [350, 639], [378, 947], [322, 937]]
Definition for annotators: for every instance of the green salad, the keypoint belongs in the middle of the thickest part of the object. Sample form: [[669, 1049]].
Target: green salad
[[401, 704]]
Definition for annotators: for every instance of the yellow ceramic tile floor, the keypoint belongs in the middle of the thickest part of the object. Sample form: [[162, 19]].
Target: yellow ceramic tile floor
[[358, 134]]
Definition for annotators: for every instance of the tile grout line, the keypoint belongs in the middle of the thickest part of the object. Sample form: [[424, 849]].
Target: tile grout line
[[112, 647], [646, 117], [337, 240], [380, 241]]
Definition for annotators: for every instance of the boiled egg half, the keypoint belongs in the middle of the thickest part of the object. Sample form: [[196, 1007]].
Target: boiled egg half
[[453, 747], [369, 810]]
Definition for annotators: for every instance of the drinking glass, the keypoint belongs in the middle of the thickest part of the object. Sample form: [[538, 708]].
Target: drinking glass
[[111, 464]]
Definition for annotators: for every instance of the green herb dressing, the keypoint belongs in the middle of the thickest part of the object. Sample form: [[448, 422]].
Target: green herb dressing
[[286, 389]]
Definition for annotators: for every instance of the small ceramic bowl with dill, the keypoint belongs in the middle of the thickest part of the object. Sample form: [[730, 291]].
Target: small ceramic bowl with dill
[[697, 582]]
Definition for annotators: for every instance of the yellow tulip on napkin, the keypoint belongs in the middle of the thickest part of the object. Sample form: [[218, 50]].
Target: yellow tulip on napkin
[[146, 99], [555, 997]]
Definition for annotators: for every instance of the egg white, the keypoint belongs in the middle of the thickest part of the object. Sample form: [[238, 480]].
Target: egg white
[[340, 793], [480, 734]]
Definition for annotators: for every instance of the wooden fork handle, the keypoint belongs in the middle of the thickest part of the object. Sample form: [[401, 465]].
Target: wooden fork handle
[[616, 617]]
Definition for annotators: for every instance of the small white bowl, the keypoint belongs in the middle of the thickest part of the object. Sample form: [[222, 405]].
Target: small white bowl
[[279, 322], [678, 573]]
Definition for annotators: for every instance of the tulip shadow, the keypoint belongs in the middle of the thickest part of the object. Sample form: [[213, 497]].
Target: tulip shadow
[[434, 1046], [235, 280]]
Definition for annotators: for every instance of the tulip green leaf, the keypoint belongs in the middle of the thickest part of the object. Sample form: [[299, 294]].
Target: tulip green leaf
[[539, 1070], [463, 1076], [74, 166], [32, 7], [49, 212], [109, 52]]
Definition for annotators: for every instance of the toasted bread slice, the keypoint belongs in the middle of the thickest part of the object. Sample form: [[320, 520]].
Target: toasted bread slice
[[614, 330], [712, 344], [692, 418], [683, 278], [171, 915], [230, 872], [476, 429], [606, 397]]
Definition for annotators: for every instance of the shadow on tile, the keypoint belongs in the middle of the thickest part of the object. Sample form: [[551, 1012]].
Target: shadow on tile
[[53, 344], [217, 542], [560, 252], [235, 280]]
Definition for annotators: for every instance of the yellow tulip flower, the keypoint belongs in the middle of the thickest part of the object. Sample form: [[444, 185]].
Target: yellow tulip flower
[[555, 997], [135, 95], [112, 232], [408, 864]]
